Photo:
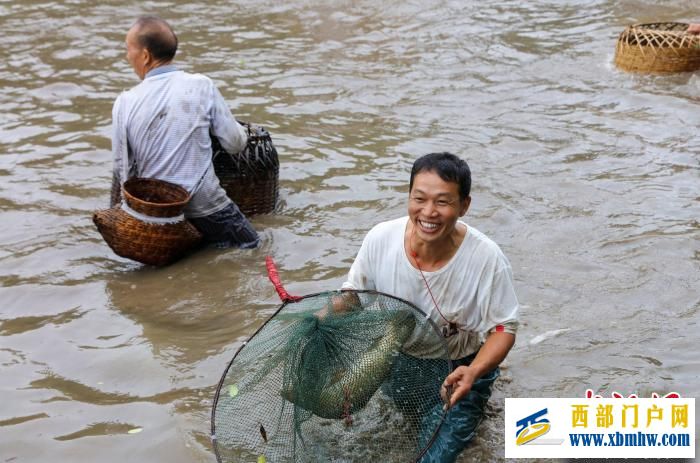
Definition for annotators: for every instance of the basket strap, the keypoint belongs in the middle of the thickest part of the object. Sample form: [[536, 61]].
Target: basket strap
[[148, 219]]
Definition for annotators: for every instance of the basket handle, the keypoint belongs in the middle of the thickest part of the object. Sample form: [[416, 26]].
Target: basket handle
[[275, 279]]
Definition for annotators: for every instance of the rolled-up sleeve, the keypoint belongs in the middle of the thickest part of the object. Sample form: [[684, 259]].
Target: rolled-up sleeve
[[500, 311]]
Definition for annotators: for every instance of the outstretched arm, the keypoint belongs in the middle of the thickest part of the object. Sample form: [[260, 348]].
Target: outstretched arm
[[491, 354]]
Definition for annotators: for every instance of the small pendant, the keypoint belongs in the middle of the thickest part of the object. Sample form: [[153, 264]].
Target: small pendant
[[449, 330]]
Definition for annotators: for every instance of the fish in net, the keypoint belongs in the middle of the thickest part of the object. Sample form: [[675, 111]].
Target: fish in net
[[338, 376]]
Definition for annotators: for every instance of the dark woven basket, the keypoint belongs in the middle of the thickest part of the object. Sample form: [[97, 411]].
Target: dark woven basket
[[250, 178], [658, 48], [149, 243]]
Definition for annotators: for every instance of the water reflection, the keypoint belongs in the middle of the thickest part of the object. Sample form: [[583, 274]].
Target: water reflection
[[187, 315]]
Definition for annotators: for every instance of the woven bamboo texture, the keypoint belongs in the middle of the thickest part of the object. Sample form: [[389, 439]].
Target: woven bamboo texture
[[156, 244], [156, 198], [658, 48], [250, 178]]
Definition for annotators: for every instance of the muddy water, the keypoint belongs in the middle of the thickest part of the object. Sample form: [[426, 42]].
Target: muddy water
[[587, 177]]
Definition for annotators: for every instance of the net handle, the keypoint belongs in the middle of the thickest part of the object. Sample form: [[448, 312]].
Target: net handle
[[275, 279]]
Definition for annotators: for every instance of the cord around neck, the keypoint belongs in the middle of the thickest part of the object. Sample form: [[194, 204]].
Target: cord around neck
[[452, 327]]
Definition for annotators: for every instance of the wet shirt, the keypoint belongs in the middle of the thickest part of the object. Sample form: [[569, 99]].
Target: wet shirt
[[474, 290], [162, 126]]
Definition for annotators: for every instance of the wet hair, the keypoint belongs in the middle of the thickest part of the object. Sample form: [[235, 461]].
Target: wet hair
[[449, 167], [155, 35]]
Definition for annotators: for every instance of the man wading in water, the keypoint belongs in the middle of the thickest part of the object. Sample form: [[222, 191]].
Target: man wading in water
[[460, 278], [161, 129]]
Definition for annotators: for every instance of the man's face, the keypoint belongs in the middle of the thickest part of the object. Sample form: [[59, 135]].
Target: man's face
[[434, 206], [136, 55]]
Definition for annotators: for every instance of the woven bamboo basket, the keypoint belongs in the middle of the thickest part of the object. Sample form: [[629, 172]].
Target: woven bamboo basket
[[658, 48], [250, 178], [149, 226]]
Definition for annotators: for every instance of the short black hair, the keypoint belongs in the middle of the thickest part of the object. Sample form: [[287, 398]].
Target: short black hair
[[156, 35], [449, 167]]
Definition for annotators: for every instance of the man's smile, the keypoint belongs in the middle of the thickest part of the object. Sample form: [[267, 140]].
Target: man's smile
[[430, 226]]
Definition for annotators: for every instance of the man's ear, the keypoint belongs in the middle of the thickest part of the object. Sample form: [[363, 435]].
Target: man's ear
[[464, 207]]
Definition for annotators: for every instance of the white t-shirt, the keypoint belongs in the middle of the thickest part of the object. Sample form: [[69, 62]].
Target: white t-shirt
[[474, 289]]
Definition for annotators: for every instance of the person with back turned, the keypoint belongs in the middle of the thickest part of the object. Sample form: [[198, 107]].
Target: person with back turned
[[461, 279], [162, 129]]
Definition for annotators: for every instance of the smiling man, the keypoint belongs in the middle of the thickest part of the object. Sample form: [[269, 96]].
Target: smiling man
[[161, 129], [455, 274]]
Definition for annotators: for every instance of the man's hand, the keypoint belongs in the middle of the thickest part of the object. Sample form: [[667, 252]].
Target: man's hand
[[694, 28], [460, 382], [489, 357], [346, 301]]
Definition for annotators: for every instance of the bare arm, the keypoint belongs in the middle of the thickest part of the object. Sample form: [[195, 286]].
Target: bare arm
[[694, 28], [491, 354]]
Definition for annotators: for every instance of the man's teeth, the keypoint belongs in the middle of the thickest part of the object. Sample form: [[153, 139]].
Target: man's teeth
[[428, 225]]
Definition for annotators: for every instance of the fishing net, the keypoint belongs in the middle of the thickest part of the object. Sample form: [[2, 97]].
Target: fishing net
[[336, 376]]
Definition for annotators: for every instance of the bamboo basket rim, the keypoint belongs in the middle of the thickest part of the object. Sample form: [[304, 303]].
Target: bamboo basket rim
[[174, 186], [676, 30], [662, 23]]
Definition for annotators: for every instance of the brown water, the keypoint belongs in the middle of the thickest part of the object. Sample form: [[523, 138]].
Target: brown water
[[587, 177]]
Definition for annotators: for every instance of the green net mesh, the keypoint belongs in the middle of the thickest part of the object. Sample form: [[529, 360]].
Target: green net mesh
[[336, 376]]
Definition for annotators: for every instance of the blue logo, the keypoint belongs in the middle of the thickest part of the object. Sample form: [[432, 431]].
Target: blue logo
[[531, 427]]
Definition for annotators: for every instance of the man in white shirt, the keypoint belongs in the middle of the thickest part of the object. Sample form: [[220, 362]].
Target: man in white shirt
[[162, 129], [456, 275]]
